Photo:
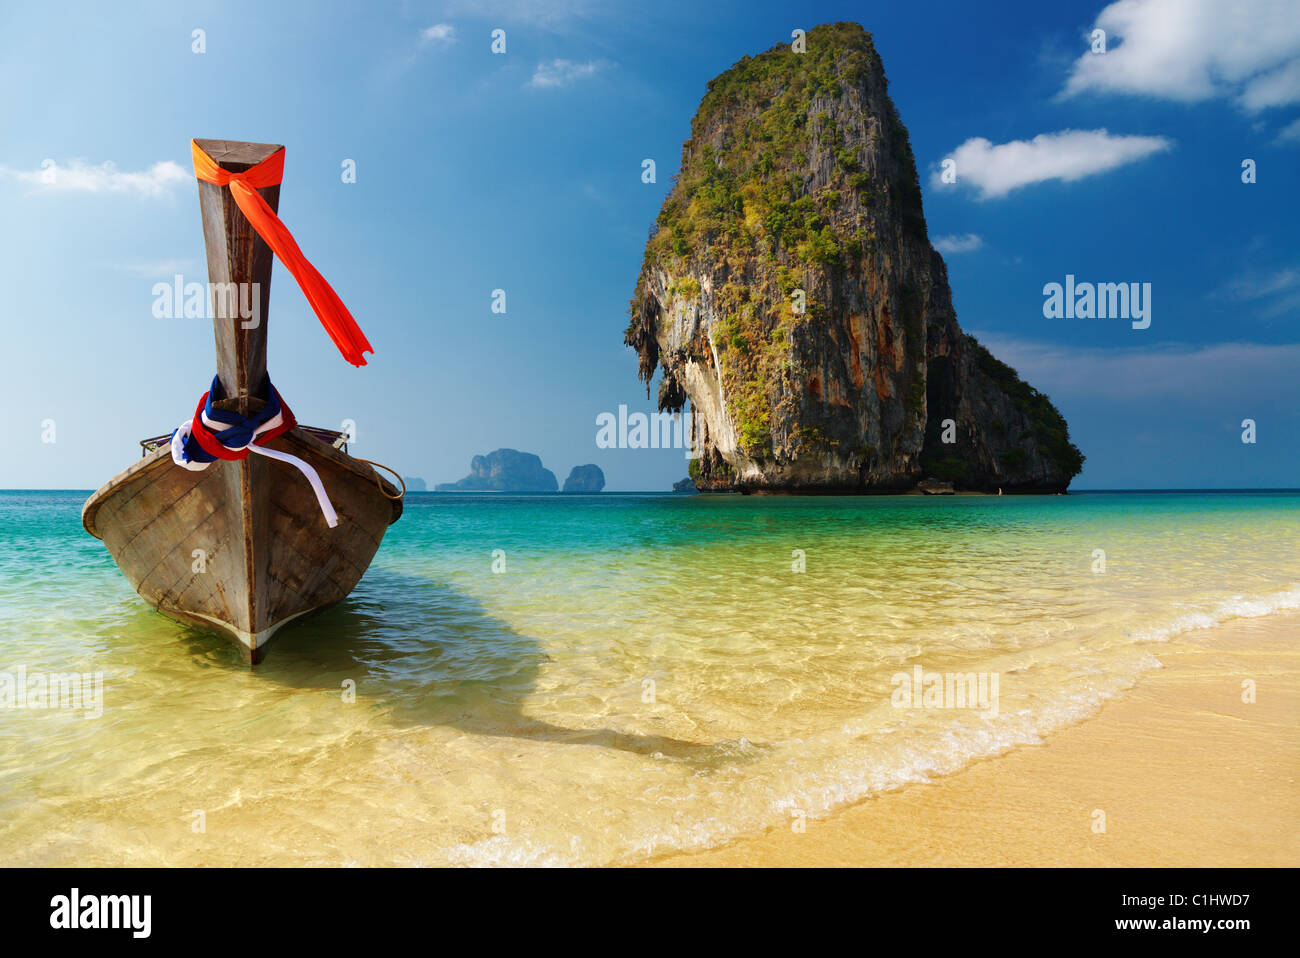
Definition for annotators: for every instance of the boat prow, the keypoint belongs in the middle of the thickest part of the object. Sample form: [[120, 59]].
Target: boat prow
[[242, 546], [215, 536]]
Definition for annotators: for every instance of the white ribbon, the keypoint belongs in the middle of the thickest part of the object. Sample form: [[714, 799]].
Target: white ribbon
[[306, 469], [183, 433]]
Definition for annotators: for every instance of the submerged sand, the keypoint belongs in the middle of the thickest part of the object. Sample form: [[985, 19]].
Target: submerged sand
[[1185, 772]]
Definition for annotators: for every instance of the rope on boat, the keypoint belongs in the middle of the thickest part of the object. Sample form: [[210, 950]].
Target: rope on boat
[[214, 434], [392, 472]]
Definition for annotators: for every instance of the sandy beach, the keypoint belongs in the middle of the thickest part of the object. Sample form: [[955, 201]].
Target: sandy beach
[[1186, 773]]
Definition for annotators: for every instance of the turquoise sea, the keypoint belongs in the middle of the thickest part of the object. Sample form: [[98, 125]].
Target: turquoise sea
[[640, 674]]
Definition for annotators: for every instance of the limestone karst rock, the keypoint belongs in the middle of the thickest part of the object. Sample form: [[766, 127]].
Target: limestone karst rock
[[790, 293]]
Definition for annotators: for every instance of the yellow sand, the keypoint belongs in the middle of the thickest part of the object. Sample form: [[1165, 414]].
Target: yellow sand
[[1184, 770]]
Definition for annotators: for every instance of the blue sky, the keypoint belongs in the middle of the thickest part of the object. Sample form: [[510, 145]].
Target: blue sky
[[522, 171]]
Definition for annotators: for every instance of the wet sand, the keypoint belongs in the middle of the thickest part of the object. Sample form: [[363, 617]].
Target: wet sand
[[1185, 772]]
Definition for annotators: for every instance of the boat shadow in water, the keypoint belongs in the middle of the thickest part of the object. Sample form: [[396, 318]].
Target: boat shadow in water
[[431, 655]]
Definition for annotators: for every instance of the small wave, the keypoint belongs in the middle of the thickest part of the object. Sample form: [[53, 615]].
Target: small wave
[[1237, 607], [816, 774]]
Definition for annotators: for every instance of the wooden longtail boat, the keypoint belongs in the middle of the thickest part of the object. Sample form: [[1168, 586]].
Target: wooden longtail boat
[[242, 546]]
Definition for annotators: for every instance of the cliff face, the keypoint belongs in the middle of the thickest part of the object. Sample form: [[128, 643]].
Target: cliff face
[[791, 294]]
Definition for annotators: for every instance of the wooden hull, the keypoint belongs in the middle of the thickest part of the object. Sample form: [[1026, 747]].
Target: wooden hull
[[241, 547]]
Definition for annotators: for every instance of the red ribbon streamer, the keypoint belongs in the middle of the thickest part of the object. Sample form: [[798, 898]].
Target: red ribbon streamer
[[334, 316]]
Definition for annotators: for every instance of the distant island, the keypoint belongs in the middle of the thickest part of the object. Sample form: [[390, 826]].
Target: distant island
[[685, 485], [415, 484], [504, 470], [509, 470], [586, 478]]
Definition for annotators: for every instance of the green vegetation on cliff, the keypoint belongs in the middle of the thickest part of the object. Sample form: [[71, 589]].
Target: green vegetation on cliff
[[748, 195], [789, 274], [745, 196]]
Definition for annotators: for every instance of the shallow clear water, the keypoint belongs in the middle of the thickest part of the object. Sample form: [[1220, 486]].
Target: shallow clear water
[[649, 673]]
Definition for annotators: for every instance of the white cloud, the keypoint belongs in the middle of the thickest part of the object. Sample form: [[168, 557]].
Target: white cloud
[[155, 269], [1259, 286], [951, 245], [557, 73], [1194, 50], [1200, 373], [1290, 132], [1275, 293], [1069, 155], [1280, 87], [442, 34], [80, 177]]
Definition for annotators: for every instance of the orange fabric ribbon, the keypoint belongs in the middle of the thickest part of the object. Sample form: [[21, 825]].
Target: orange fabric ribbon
[[334, 316]]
